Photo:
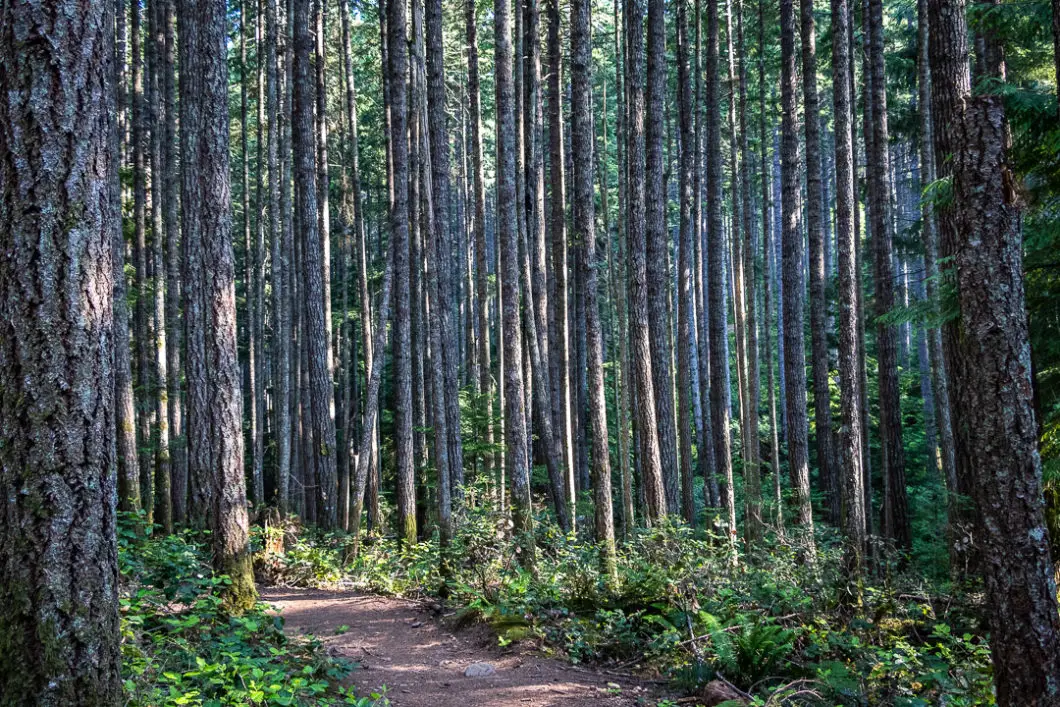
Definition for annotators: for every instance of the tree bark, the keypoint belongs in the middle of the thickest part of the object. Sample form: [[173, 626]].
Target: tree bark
[[482, 298], [215, 444], [816, 227], [648, 452], [281, 266], [719, 359], [751, 442], [685, 304], [993, 389], [508, 240], [447, 270], [317, 338], [852, 506], [895, 507], [584, 233], [160, 393], [141, 335], [59, 219], [792, 252], [559, 330], [946, 454], [767, 268], [658, 271], [173, 265]]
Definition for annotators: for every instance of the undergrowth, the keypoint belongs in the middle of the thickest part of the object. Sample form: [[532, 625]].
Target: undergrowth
[[180, 646], [773, 626]]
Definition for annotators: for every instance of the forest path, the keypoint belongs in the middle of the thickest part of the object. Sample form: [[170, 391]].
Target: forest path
[[422, 662]]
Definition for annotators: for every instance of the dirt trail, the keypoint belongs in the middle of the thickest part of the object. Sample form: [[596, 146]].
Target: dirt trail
[[422, 662]]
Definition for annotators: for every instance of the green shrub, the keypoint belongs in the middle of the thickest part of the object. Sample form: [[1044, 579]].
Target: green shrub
[[180, 646]]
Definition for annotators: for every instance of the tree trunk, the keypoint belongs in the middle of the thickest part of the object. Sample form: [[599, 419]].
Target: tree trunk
[[173, 265], [658, 271], [685, 302], [895, 507], [249, 287], [141, 335], [648, 452], [317, 338], [281, 266], [584, 233], [508, 240], [816, 226], [215, 444], [559, 331], [124, 406], [851, 481], [60, 219], [719, 359], [794, 349], [929, 234], [767, 268], [447, 270], [706, 460], [160, 393], [752, 449], [993, 389]]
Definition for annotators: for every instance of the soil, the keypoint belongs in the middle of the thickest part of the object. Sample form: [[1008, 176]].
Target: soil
[[421, 659]]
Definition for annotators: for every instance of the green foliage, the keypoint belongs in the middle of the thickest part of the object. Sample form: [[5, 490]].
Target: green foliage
[[181, 647], [772, 625]]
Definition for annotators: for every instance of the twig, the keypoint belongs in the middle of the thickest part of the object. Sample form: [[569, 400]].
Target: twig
[[743, 694]]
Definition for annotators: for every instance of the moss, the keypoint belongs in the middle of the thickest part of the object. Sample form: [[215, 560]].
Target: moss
[[241, 595], [408, 534]]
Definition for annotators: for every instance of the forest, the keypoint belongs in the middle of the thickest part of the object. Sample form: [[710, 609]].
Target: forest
[[553, 352]]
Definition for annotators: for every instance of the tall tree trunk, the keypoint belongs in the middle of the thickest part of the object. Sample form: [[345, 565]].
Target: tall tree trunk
[[852, 507], [650, 462], [929, 235], [658, 271], [319, 11], [397, 76], [734, 256], [59, 215], [317, 338], [559, 334], [482, 296], [895, 507], [993, 389], [705, 435], [685, 303], [249, 287], [816, 211], [535, 302], [447, 270], [215, 444], [794, 349], [752, 449], [767, 268], [534, 177], [585, 233], [141, 335], [173, 264], [160, 393], [281, 266], [619, 283], [719, 359], [508, 241], [124, 406], [260, 209]]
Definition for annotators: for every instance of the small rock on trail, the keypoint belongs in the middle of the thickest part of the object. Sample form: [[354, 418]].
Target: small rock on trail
[[479, 670], [422, 663]]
